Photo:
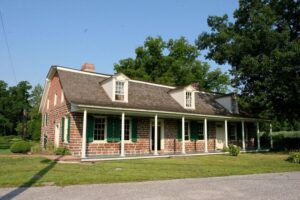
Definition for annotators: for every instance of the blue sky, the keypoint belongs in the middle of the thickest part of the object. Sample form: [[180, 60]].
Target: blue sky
[[69, 33]]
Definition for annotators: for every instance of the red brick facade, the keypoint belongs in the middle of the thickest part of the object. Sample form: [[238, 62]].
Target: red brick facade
[[142, 146]]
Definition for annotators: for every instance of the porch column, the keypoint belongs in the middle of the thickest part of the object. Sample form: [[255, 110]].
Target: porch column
[[243, 136], [258, 136], [271, 138], [226, 134], [183, 135], [155, 135], [205, 135], [83, 146], [123, 135]]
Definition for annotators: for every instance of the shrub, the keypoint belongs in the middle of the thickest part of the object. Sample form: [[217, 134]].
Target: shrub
[[225, 149], [20, 147], [4, 143], [36, 148], [294, 157], [234, 150], [62, 151]]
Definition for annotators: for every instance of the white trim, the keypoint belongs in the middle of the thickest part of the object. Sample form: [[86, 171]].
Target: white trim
[[161, 124], [105, 129], [81, 72], [122, 134], [83, 138], [66, 129], [178, 114], [153, 84], [205, 136]]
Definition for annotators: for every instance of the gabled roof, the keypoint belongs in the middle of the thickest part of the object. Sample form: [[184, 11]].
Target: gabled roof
[[84, 88]]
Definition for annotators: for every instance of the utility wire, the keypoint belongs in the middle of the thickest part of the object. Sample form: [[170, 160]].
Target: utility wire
[[8, 49]]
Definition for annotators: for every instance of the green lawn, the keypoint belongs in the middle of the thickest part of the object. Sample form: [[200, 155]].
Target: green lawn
[[20, 171]]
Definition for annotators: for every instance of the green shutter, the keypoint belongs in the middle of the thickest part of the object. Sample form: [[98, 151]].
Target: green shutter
[[69, 128], [117, 129], [134, 130], [194, 130], [90, 128], [62, 128], [110, 129], [179, 130]]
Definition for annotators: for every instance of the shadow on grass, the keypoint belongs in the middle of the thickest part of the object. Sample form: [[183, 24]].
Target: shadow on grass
[[25, 186]]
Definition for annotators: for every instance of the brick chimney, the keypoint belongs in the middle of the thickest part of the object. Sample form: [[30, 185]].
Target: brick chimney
[[88, 67]]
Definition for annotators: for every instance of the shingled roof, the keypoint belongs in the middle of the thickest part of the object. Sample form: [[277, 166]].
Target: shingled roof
[[85, 89]]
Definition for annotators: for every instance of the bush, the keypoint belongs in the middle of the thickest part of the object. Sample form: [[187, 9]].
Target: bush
[[4, 143], [62, 151], [294, 157], [36, 147], [225, 149], [234, 150], [20, 147]]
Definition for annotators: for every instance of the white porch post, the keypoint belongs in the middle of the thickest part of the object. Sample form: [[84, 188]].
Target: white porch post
[[226, 134], [271, 138], [243, 136], [155, 135], [258, 136], [205, 135], [183, 135], [123, 135], [83, 146]]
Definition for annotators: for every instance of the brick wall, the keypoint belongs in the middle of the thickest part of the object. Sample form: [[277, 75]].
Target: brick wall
[[55, 112]]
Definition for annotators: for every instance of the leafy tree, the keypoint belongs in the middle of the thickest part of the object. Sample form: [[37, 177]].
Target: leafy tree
[[173, 62], [5, 124], [34, 124], [262, 45]]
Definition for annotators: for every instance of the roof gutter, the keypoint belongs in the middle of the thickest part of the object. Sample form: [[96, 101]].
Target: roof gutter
[[80, 107]]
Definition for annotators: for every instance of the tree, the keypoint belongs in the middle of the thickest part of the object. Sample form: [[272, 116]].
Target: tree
[[34, 124], [174, 62], [5, 124], [263, 47]]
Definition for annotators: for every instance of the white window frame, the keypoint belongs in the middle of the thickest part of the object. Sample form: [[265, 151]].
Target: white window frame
[[48, 102], [188, 99], [201, 122], [55, 99], [189, 130], [62, 97], [130, 129], [66, 129], [119, 92], [105, 129]]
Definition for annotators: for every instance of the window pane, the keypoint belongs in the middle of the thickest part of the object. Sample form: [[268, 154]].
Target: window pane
[[186, 130], [201, 132], [99, 129], [188, 99], [127, 129]]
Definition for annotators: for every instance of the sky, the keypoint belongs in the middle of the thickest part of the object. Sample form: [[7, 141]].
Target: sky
[[69, 33]]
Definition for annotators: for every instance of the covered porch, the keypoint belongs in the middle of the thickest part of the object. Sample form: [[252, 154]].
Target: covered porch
[[148, 134]]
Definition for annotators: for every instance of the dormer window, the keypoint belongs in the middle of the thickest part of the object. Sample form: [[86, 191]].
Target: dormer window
[[119, 92], [188, 99]]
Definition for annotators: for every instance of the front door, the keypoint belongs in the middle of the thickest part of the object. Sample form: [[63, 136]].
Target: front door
[[158, 138], [56, 136], [220, 136]]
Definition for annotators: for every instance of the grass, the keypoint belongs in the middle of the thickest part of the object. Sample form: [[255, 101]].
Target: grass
[[5, 152], [27, 171]]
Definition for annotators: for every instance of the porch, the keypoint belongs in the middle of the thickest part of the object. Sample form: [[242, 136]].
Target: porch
[[160, 134]]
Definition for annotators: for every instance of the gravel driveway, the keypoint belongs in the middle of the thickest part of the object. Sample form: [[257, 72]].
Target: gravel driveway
[[264, 186]]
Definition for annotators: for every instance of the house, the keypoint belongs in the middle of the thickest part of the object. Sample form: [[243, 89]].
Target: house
[[95, 114]]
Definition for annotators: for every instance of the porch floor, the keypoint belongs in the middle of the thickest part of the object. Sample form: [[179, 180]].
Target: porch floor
[[161, 155]]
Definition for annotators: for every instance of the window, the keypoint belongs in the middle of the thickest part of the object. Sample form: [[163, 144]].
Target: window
[[188, 99], [232, 132], [119, 92], [127, 129], [99, 129], [47, 104], [62, 97], [186, 130], [55, 99], [45, 119], [200, 132], [66, 127]]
